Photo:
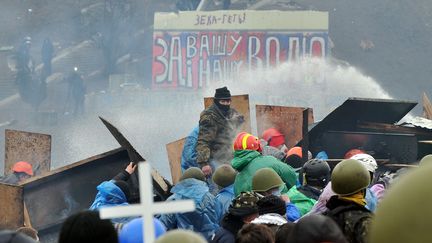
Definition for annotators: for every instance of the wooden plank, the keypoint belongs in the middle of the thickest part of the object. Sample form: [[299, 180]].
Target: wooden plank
[[12, 206], [288, 120], [174, 150], [241, 104], [384, 127], [427, 107], [34, 148]]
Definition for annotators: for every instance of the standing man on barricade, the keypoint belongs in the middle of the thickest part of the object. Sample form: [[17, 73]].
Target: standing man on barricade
[[217, 128]]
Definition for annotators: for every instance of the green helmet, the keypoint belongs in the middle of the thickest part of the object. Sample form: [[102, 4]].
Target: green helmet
[[193, 172], [349, 176], [224, 175], [184, 236], [404, 214], [426, 160], [265, 179]]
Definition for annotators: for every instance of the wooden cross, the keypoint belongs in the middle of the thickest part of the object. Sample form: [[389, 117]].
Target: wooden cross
[[148, 208]]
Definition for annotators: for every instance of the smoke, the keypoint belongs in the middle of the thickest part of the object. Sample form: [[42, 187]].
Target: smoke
[[152, 119]]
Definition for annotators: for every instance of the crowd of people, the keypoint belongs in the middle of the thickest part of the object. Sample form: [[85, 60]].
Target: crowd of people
[[250, 189]]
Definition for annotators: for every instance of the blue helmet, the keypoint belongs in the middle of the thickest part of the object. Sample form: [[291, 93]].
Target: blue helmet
[[132, 231]]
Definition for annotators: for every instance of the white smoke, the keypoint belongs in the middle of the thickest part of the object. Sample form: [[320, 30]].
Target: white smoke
[[150, 120]]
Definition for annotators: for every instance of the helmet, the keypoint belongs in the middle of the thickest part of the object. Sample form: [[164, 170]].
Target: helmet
[[224, 175], [403, 214], [316, 172], [180, 235], [353, 152], [246, 141], [132, 232], [193, 172], [265, 179], [426, 160], [23, 166], [273, 137], [368, 161], [298, 151], [349, 176]]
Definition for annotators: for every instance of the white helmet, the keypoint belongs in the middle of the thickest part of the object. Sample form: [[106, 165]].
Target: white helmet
[[368, 161]]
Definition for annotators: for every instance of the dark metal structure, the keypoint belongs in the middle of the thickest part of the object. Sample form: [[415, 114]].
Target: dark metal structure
[[371, 125]]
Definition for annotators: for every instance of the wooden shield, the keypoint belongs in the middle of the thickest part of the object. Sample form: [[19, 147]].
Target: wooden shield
[[174, 150], [241, 104], [288, 120], [12, 209], [34, 148]]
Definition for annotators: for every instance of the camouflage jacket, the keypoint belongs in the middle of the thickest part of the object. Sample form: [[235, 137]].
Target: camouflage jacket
[[216, 134], [353, 219]]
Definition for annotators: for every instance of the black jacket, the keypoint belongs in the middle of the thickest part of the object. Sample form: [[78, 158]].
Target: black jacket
[[230, 225]]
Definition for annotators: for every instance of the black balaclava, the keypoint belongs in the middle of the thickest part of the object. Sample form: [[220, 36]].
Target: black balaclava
[[222, 94]]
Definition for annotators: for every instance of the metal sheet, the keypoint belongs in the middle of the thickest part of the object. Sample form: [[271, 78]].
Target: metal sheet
[[34, 148], [12, 207], [288, 120], [162, 187], [241, 104], [398, 148], [354, 110], [52, 197], [174, 150]]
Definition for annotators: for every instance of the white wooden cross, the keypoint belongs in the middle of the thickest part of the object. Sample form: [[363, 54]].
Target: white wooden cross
[[148, 207]]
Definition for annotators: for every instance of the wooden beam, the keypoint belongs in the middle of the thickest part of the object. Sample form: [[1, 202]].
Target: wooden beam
[[384, 127], [427, 107]]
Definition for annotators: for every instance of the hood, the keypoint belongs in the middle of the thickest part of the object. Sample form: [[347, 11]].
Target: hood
[[228, 189], [110, 190], [242, 158], [190, 189]]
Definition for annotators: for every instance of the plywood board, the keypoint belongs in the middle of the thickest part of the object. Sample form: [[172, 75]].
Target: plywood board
[[174, 150], [288, 120], [12, 206], [34, 148], [241, 104]]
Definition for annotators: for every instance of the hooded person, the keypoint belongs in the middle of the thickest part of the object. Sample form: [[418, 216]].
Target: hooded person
[[350, 179], [268, 183], [208, 213], [87, 227], [316, 228], [315, 174], [217, 127], [224, 177], [114, 192], [21, 171], [132, 232], [248, 160], [189, 154], [242, 211]]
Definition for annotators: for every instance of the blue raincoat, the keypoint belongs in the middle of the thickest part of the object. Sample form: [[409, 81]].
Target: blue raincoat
[[189, 154], [110, 195], [371, 200], [225, 196], [207, 215]]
